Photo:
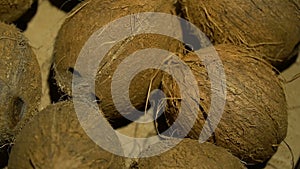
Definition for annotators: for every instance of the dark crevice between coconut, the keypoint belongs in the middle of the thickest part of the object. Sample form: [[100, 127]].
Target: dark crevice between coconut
[[57, 95], [73, 71], [190, 41], [4, 155], [205, 115], [294, 56], [65, 5], [17, 111], [31, 164], [298, 164], [55, 92], [258, 166]]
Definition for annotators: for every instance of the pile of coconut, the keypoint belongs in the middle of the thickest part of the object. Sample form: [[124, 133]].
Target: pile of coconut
[[233, 100]]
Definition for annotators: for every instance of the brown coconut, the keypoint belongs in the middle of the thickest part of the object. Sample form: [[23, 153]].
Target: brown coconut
[[188, 154], [254, 121], [88, 18], [20, 83], [11, 10], [55, 139], [270, 28]]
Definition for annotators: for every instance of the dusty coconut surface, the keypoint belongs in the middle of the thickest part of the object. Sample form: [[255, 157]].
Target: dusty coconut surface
[[188, 154], [20, 84], [11, 10], [55, 139], [42, 31], [95, 15], [254, 121], [271, 28]]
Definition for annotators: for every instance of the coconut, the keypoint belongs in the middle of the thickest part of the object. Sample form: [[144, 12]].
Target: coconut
[[93, 15], [254, 120], [20, 84], [55, 139], [188, 154], [270, 28], [11, 10]]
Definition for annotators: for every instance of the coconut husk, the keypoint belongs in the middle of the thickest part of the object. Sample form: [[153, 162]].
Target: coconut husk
[[20, 83], [55, 139], [91, 16], [189, 154], [254, 121], [270, 28]]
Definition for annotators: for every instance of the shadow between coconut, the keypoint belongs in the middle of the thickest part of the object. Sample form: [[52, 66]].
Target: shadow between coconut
[[23, 21], [58, 95]]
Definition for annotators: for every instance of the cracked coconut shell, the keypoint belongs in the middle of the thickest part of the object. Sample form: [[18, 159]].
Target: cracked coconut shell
[[254, 121]]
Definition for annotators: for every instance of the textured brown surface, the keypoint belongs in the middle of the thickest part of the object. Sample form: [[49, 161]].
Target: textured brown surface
[[96, 14], [20, 83], [43, 29], [55, 139], [11, 10], [269, 27], [255, 118], [189, 154]]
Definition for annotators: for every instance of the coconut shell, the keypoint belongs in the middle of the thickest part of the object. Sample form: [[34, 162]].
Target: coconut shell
[[55, 139], [189, 154], [254, 121], [11, 10], [270, 28], [20, 83], [92, 16]]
